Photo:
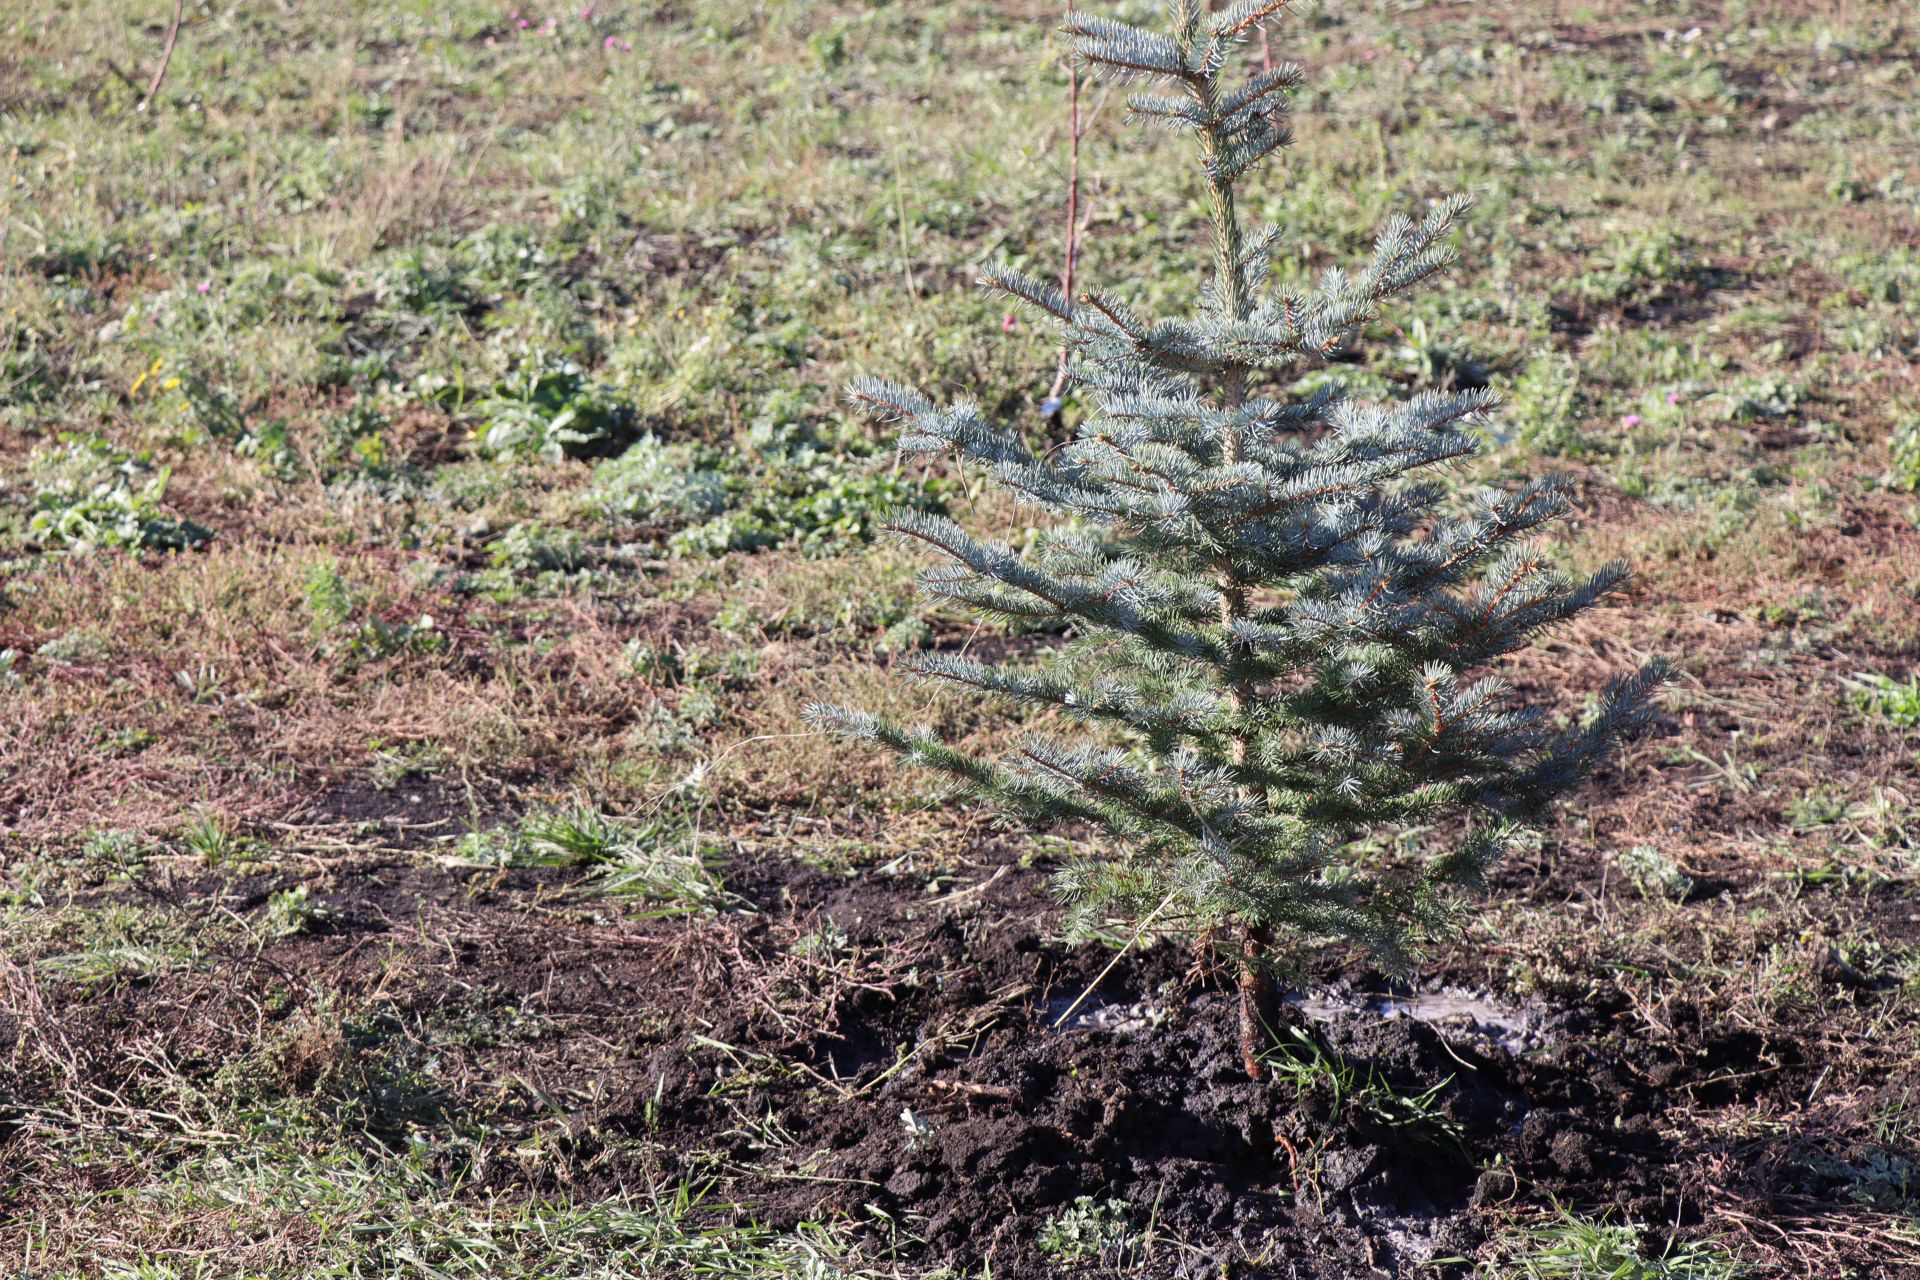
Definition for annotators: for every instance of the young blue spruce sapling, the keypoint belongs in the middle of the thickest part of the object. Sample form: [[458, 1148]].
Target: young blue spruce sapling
[[1278, 639]]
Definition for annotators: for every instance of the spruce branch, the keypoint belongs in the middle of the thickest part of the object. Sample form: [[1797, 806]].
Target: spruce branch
[[1236, 20]]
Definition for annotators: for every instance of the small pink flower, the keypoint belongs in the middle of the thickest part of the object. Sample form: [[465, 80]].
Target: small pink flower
[[512, 14], [205, 286], [523, 24], [586, 14], [1673, 397], [1007, 323], [1631, 420]]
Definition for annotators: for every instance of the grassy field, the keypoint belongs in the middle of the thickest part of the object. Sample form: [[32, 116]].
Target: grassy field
[[427, 507]]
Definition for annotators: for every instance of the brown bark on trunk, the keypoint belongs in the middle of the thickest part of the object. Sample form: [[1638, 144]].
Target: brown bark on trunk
[[1259, 1000]]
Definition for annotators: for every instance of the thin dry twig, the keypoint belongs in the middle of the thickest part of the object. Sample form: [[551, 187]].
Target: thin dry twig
[[966, 1088], [1075, 130], [166, 55]]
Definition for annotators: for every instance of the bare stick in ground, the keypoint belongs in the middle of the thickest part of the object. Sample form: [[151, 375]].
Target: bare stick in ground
[[1055, 405], [166, 56]]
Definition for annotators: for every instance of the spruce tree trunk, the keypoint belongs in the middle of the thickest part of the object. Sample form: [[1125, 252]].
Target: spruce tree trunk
[[1259, 999]]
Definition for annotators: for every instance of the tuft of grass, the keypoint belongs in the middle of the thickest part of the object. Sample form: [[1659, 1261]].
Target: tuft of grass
[[107, 966], [206, 835], [1582, 1249], [663, 862], [1310, 1066]]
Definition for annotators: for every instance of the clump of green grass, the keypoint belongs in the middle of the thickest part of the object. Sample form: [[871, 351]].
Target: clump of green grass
[[1581, 1249], [209, 836], [1309, 1066], [664, 861], [104, 966], [104, 947]]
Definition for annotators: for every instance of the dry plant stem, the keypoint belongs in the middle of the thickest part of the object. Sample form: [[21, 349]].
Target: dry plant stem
[[166, 56], [1075, 130]]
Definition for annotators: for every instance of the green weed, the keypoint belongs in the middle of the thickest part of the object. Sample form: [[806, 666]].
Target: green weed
[[533, 547], [1091, 1231], [548, 408], [1301, 1060], [88, 494], [1581, 1249], [1882, 697], [663, 863], [1654, 874], [660, 486], [329, 599], [1640, 265], [119, 850], [1903, 468], [294, 911], [208, 836], [1546, 405]]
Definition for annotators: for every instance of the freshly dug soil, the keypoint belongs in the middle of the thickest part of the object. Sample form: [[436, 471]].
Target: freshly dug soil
[[1333, 1173]]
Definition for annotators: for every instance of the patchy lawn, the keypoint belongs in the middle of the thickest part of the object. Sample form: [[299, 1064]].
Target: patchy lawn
[[428, 506]]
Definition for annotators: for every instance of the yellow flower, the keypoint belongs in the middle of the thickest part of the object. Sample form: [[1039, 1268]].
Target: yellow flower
[[141, 381]]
